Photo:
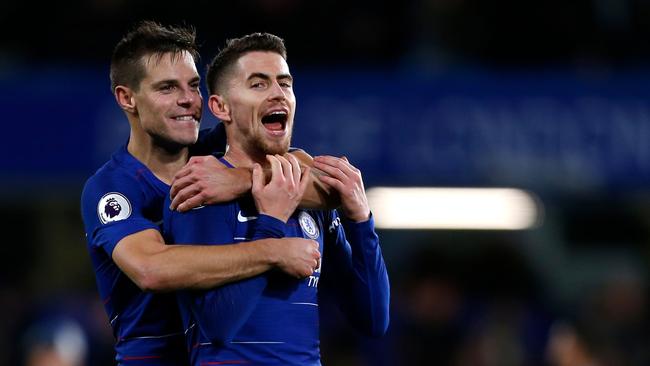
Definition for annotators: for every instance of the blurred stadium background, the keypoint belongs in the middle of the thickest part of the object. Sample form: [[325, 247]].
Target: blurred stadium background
[[550, 97]]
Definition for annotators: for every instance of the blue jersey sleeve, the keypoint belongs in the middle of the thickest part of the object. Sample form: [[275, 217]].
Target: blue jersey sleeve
[[356, 274], [222, 311], [113, 207]]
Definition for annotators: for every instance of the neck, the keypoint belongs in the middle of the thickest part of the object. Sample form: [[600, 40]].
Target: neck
[[163, 163], [242, 158]]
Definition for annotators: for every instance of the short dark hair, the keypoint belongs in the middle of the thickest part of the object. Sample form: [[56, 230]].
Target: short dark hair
[[148, 38], [235, 49]]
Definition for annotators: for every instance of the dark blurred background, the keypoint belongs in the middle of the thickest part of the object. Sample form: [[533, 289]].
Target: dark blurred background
[[546, 96]]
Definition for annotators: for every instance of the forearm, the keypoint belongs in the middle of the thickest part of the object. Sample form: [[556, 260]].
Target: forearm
[[318, 195], [368, 296], [239, 185], [202, 266]]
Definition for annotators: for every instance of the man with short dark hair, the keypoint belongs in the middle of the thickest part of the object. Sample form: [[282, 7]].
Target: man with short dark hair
[[272, 319]]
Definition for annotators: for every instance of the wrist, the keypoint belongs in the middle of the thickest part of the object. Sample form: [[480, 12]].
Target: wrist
[[269, 248], [268, 227], [358, 217], [244, 182]]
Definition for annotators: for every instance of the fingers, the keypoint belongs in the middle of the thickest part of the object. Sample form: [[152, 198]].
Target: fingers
[[305, 178], [185, 170], [258, 178], [182, 196], [192, 172], [339, 168], [276, 167], [189, 166], [191, 203], [300, 257], [295, 168], [287, 169], [314, 260], [332, 182], [178, 185], [284, 168]]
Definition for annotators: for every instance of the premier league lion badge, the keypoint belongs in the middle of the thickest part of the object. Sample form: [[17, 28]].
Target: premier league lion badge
[[308, 225], [113, 206]]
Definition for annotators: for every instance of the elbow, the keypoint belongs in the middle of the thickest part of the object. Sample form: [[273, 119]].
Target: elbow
[[373, 325], [376, 323], [381, 329], [148, 279], [377, 327]]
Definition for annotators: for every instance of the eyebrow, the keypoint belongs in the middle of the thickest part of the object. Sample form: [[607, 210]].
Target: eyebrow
[[264, 76], [196, 79]]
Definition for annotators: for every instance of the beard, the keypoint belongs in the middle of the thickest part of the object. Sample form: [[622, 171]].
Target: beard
[[257, 146]]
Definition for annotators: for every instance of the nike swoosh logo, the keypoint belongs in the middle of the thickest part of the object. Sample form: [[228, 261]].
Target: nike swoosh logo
[[241, 218]]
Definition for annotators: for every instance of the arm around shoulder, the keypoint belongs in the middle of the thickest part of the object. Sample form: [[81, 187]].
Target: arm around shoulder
[[318, 195]]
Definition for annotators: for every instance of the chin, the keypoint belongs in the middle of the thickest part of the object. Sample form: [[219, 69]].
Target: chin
[[174, 145], [273, 149]]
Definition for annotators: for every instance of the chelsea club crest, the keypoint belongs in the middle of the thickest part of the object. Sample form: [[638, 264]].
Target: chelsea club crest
[[308, 225]]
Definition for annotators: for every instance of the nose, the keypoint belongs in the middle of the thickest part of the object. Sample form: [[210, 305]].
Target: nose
[[276, 92], [188, 97]]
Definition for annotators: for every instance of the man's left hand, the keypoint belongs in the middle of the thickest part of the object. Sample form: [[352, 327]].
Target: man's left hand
[[346, 179]]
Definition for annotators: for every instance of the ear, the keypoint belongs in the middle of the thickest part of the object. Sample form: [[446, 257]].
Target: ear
[[125, 99], [219, 107]]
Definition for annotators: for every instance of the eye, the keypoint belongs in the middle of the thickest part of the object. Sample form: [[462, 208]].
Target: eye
[[258, 85], [285, 84], [167, 88]]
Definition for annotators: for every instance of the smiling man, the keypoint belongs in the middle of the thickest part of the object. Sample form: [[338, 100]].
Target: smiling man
[[272, 319], [155, 82]]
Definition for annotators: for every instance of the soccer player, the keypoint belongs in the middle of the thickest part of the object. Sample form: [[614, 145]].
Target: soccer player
[[156, 84], [272, 319]]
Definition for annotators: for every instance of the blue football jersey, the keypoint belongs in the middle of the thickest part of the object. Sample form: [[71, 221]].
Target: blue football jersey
[[122, 198], [271, 319]]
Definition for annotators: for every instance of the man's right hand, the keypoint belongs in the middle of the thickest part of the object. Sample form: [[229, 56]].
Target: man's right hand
[[297, 257], [204, 180], [281, 195]]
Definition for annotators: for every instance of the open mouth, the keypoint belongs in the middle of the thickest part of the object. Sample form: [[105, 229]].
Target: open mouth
[[275, 121]]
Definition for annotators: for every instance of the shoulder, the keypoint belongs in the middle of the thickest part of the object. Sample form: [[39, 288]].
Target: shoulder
[[112, 193], [110, 178]]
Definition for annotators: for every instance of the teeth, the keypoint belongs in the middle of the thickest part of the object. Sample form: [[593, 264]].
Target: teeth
[[278, 112], [184, 118]]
